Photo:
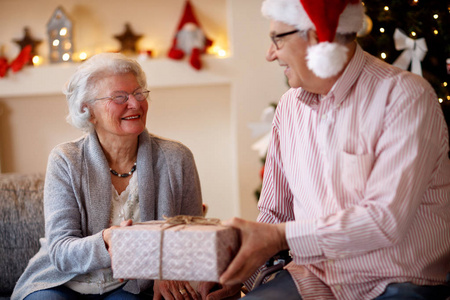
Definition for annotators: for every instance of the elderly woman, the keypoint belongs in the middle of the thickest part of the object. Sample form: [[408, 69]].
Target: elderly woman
[[116, 172]]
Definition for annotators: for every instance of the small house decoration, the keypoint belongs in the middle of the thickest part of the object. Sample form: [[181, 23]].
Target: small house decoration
[[60, 36]]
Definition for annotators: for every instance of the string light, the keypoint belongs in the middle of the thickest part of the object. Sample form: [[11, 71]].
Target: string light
[[83, 56], [217, 50], [435, 16], [36, 60], [383, 55], [66, 56], [440, 100], [386, 8], [382, 30], [222, 53], [435, 32], [413, 33], [55, 43], [63, 31], [444, 84]]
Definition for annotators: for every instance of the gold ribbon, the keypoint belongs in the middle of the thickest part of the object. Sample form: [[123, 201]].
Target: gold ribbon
[[177, 221]]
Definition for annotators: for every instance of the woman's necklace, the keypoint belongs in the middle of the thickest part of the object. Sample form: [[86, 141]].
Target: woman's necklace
[[124, 174]]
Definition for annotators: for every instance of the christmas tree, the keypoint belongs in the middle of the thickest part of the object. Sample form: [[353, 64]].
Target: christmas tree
[[421, 21]]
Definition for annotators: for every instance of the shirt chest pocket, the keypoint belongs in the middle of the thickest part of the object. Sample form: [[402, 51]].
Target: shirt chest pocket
[[355, 170]]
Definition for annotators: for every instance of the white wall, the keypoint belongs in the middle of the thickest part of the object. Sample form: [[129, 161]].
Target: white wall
[[211, 118]]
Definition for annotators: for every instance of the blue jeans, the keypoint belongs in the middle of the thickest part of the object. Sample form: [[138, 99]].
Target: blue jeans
[[409, 291], [65, 293], [283, 287]]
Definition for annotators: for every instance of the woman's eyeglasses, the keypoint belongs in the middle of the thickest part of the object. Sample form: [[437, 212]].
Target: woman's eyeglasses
[[121, 97]]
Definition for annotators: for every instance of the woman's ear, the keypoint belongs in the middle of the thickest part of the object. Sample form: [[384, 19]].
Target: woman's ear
[[86, 108]]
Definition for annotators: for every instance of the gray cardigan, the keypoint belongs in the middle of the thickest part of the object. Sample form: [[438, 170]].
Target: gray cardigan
[[77, 205]]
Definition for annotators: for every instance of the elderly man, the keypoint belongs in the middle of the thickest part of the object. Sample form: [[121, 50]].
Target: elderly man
[[357, 176]]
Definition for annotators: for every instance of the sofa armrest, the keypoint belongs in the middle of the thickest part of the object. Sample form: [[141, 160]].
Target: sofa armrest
[[21, 225]]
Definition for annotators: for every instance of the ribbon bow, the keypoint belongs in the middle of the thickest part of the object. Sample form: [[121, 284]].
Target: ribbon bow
[[263, 127], [189, 220], [414, 52]]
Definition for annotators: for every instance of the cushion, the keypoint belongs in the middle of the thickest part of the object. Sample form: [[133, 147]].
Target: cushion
[[21, 224]]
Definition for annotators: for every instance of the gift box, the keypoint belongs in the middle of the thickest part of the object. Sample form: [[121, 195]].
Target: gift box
[[166, 251]]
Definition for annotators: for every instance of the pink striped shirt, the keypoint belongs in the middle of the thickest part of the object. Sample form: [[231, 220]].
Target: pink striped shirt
[[362, 178]]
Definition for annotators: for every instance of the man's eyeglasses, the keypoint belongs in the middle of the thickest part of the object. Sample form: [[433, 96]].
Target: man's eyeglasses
[[277, 39], [121, 97]]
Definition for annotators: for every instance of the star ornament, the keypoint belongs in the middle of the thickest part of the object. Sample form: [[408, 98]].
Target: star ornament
[[27, 40], [128, 40]]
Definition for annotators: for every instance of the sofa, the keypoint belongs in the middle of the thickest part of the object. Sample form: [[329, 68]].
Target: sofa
[[21, 225]]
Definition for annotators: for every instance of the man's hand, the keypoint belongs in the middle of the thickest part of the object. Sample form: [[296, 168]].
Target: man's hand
[[259, 242], [215, 291]]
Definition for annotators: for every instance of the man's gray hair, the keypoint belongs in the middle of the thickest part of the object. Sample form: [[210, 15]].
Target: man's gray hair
[[81, 87]]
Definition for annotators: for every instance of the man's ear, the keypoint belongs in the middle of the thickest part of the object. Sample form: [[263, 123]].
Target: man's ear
[[312, 37]]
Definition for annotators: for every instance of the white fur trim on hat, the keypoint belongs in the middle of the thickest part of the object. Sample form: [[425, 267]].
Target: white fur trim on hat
[[290, 12], [326, 59]]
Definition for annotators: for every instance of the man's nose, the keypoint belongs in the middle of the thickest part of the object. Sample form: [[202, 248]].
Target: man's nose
[[271, 53]]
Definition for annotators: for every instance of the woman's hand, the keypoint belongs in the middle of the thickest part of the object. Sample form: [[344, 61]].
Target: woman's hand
[[170, 290], [107, 237], [108, 232], [215, 291]]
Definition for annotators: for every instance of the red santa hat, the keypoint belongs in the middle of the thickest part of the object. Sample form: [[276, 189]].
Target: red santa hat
[[188, 22], [326, 17]]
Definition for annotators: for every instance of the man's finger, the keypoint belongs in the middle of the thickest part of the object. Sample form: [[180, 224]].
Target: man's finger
[[239, 269]]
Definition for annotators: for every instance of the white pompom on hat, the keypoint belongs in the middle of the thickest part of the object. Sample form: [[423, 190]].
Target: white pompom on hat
[[326, 17]]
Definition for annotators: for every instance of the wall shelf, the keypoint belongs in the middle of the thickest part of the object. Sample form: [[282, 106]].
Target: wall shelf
[[161, 73]]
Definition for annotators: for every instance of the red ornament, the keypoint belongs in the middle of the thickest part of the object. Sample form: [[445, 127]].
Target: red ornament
[[22, 59], [3, 67], [189, 39]]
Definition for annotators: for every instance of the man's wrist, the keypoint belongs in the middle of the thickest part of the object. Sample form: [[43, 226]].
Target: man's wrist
[[281, 236]]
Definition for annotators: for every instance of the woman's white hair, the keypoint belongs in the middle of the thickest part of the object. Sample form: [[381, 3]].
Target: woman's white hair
[[81, 87]]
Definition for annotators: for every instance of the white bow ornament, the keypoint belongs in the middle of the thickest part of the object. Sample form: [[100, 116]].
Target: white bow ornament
[[263, 128], [414, 52]]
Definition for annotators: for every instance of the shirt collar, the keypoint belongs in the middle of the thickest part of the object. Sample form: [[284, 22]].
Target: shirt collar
[[342, 85], [349, 77]]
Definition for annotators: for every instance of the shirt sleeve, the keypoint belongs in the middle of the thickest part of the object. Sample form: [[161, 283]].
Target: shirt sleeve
[[276, 200], [69, 250], [192, 196]]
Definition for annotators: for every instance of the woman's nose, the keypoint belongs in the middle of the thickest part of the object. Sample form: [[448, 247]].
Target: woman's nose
[[132, 102]]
